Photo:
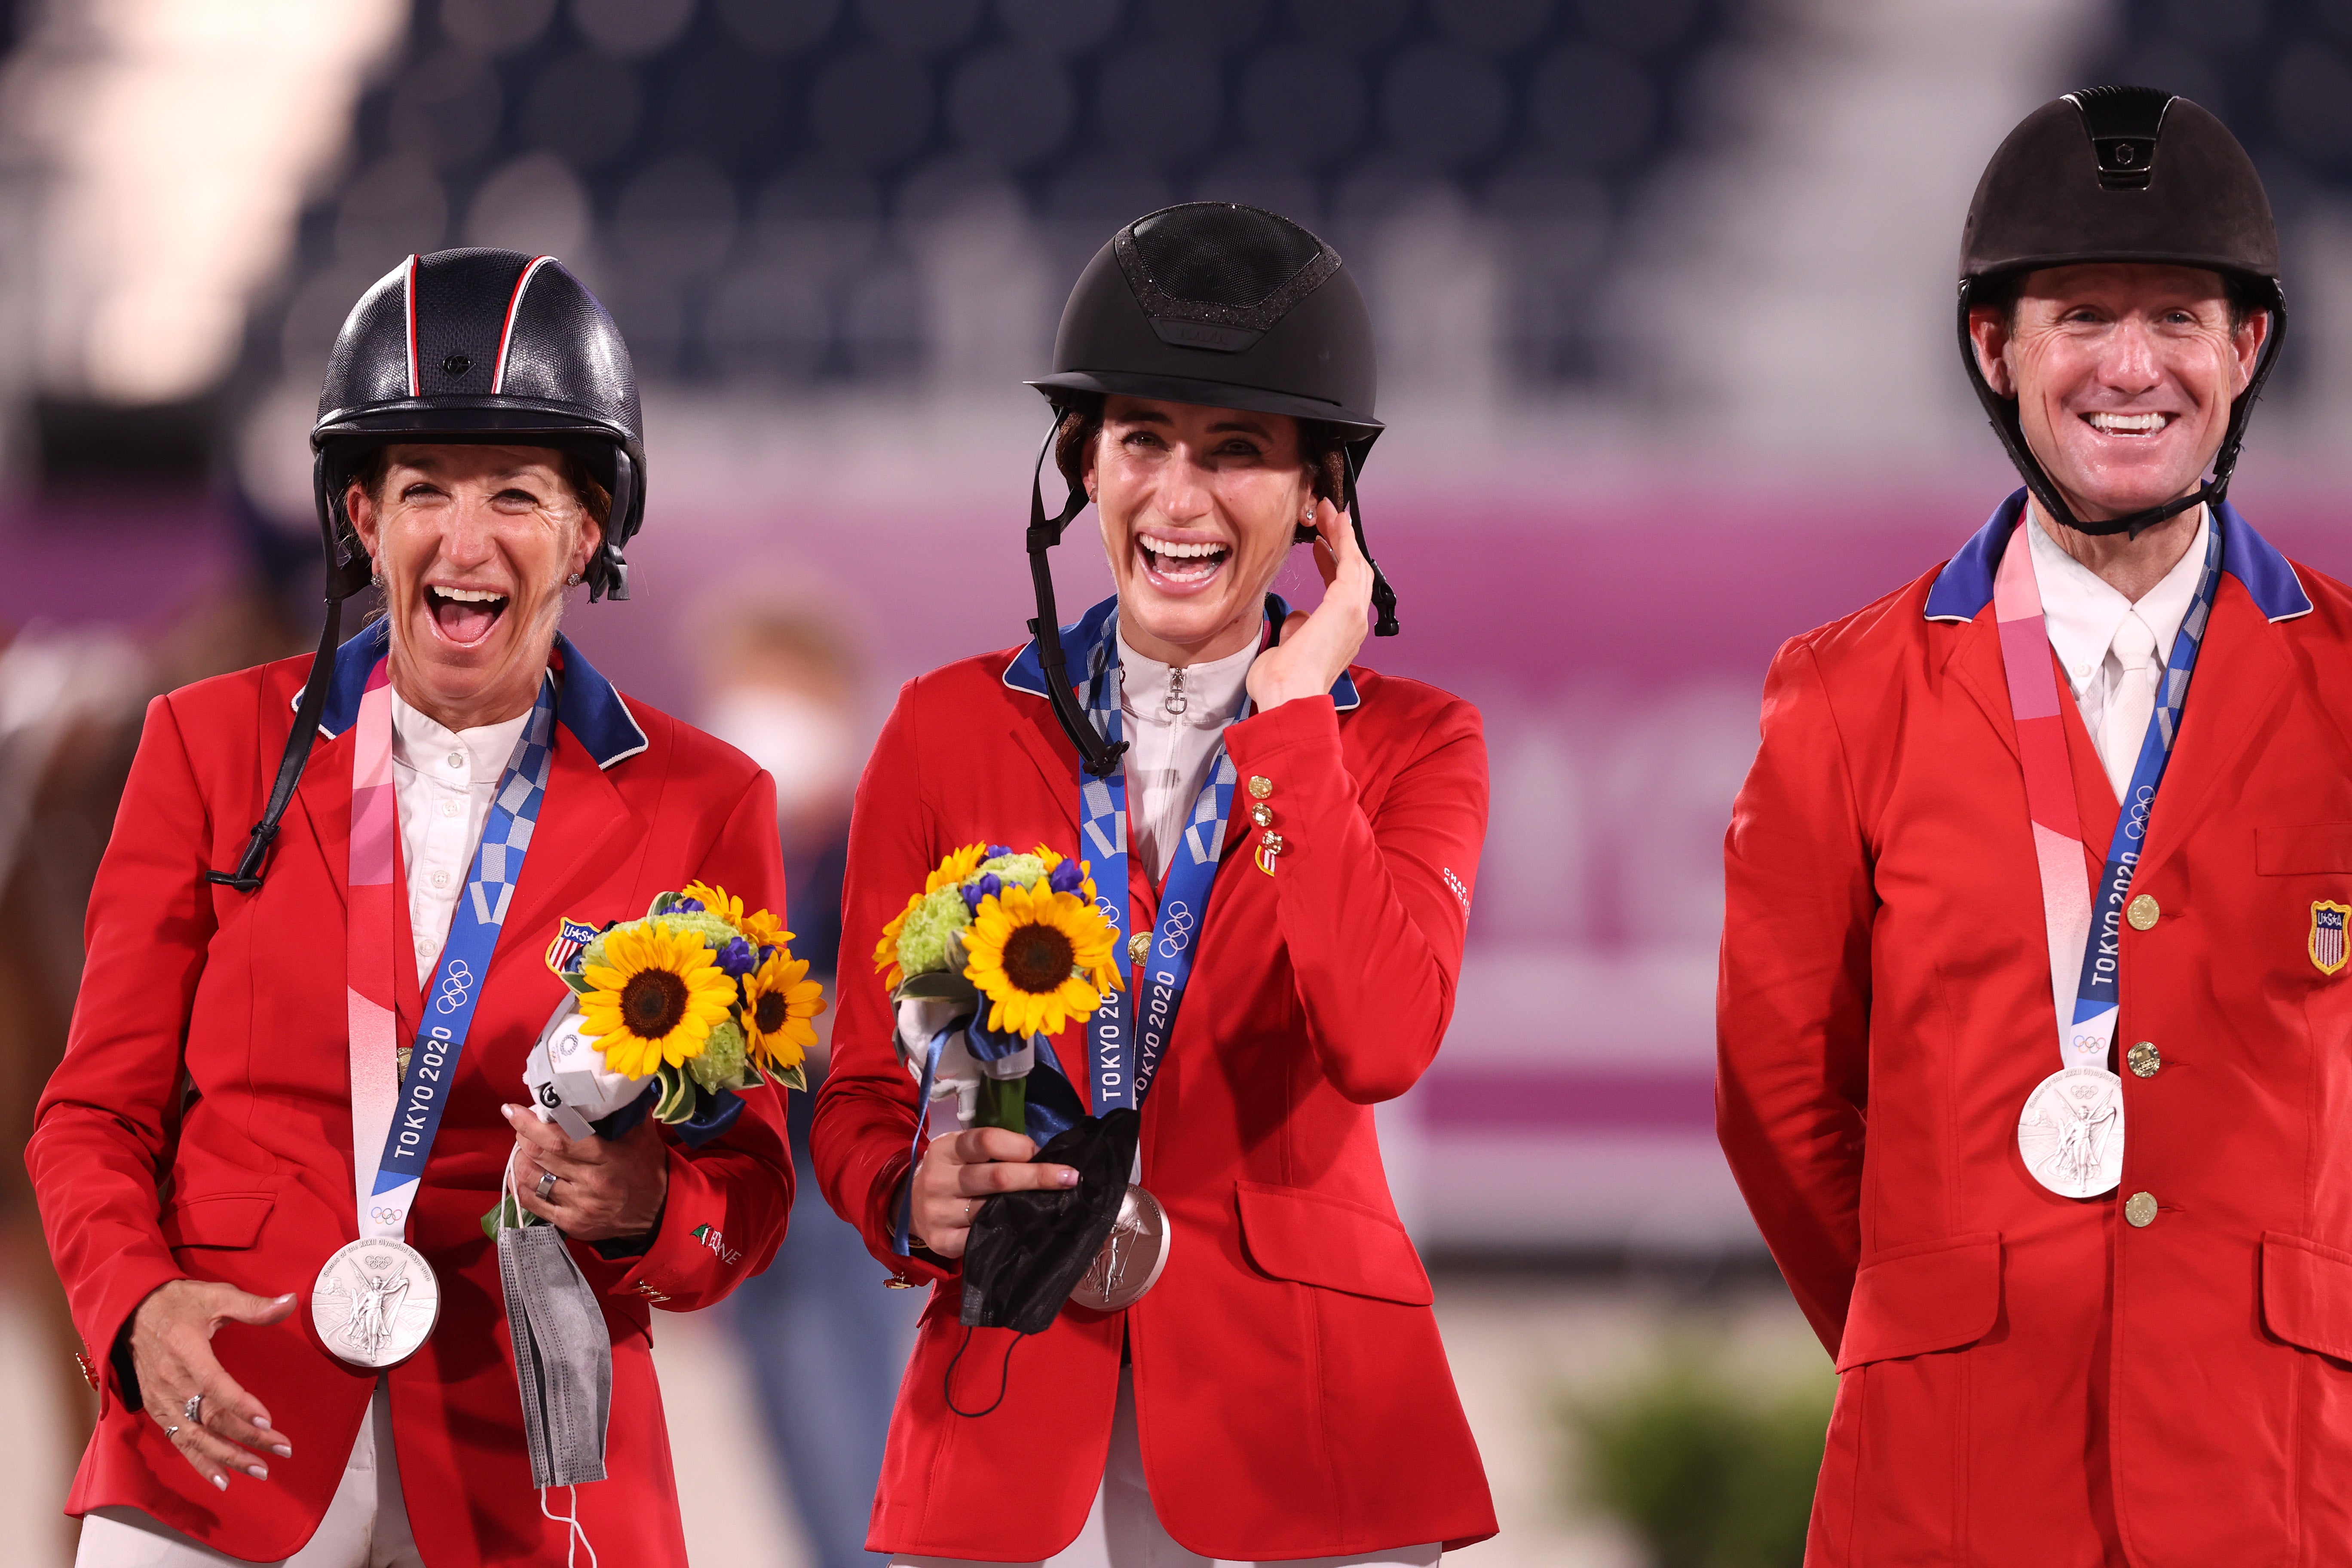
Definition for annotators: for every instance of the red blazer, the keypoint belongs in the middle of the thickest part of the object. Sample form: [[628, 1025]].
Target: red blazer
[[200, 1124], [1292, 1398], [2027, 1378]]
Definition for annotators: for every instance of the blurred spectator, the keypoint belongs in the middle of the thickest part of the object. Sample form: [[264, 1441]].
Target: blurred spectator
[[825, 1341]]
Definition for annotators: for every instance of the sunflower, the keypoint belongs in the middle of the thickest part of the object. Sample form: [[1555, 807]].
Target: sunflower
[[1031, 951], [958, 865], [779, 1000], [716, 900], [653, 998]]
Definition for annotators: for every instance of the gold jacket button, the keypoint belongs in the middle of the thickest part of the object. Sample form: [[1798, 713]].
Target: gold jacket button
[[1261, 815], [898, 1282], [1139, 947], [2144, 1058], [2140, 1209], [2142, 912], [1260, 786]]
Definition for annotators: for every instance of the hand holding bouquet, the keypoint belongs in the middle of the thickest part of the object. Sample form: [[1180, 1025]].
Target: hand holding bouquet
[[685, 1009], [998, 948]]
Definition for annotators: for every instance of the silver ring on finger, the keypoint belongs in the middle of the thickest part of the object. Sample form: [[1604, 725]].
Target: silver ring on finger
[[171, 1431], [195, 1409], [546, 1188]]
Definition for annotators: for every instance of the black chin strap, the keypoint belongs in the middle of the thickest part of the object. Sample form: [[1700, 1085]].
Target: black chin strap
[[2003, 412], [1384, 597], [1097, 756], [346, 576]]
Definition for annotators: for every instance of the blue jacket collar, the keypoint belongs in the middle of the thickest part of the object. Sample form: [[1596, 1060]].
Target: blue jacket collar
[[586, 705], [1026, 673], [1964, 587]]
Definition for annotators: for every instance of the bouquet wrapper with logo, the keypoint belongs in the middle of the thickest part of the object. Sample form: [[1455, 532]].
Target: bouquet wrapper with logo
[[998, 951]]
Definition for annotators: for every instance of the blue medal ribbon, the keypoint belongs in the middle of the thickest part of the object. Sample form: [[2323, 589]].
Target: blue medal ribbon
[[455, 990], [2096, 992]]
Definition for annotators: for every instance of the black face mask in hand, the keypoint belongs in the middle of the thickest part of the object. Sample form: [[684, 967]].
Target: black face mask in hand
[[1027, 1250]]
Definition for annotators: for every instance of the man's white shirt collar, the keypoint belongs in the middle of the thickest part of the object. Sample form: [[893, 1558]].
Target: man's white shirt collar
[[2081, 610]]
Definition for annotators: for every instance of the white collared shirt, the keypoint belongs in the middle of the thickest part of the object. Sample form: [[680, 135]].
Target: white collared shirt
[[2081, 611], [443, 782], [1168, 755]]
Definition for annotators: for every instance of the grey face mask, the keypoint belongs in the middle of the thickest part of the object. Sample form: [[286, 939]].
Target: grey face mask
[[564, 1356]]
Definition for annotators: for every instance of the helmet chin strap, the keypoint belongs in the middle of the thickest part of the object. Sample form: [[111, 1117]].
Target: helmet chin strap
[[347, 574], [1098, 755], [2006, 424]]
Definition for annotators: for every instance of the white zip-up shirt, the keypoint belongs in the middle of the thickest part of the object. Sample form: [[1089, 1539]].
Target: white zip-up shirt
[[443, 782], [2081, 611], [1169, 752]]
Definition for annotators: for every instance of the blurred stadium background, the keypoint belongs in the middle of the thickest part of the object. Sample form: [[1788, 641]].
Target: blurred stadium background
[[1664, 292]]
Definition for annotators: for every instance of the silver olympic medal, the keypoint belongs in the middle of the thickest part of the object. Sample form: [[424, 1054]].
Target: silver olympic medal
[[1131, 1257], [2072, 1133], [375, 1302]]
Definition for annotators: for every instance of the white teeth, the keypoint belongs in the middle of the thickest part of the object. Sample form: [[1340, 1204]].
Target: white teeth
[[471, 595], [2127, 424], [1169, 547]]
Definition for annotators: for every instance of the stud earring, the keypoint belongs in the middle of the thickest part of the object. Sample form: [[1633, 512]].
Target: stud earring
[[572, 580]]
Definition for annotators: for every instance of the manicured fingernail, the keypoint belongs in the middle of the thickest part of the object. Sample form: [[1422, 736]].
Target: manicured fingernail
[[287, 1297], [221, 1482], [507, 1111], [281, 1450], [256, 1472], [262, 1422], [1070, 1178]]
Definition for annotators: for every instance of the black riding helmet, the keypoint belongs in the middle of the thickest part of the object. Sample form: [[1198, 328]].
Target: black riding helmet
[[2120, 174], [1221, 305], [491, 346]]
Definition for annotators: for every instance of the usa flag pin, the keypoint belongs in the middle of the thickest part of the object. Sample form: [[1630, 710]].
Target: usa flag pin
[[2327, 952]]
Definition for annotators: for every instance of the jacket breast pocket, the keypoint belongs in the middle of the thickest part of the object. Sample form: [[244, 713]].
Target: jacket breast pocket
[[1931, 1296], [1304, 1236], [216, 1219], [2316, 849]]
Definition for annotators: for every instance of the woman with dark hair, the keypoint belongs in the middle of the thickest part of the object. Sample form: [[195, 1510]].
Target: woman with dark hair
[[1283, 845]]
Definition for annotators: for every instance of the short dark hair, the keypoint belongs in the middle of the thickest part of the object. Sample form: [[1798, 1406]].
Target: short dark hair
[[1321, 445], [590, 491], [2004, 290]]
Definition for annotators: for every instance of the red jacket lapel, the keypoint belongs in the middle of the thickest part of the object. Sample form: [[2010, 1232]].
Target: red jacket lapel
[[2244, 672]]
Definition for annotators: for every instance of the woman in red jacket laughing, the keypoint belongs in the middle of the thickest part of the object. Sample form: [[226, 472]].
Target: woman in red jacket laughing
[[1285, 845], [265, 1211]]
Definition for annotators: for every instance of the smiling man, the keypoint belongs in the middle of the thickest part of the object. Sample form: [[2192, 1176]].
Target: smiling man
[[2034, 1043]]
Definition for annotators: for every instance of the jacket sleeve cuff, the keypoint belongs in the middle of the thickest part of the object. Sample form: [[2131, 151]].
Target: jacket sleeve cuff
[[922, 1266], [105, 1357], [1301, 726], [685, 1256]]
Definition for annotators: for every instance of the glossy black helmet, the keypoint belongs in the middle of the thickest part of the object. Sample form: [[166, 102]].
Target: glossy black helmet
[[485, 345], [1224, 306], [2120, 174], [461, 345]]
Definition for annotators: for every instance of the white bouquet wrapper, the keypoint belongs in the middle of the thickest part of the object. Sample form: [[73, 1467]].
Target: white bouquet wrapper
[[570, 1084], [955, 1090]]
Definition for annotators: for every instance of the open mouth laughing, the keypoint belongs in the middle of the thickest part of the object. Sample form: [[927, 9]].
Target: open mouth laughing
[[1181, 565], [463, 615]]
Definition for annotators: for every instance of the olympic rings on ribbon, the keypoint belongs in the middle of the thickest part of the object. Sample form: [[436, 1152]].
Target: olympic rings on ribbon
[[455, 981]]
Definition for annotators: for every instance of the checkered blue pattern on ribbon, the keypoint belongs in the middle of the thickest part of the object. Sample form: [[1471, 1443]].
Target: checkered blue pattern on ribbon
[[2097, 991], [1129, 1033], [457, 985]]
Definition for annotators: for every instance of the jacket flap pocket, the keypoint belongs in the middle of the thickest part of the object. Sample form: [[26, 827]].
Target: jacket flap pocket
[[1932, 1296], [2299, 851], [2307, 1294], [217, 1219], [1296, 1235]]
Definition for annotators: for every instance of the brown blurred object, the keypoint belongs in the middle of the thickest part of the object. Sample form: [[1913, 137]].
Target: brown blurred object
[[71, 703]]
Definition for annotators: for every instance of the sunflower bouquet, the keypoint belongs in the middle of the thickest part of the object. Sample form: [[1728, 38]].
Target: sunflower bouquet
[[1003, 947], [673, 1015]]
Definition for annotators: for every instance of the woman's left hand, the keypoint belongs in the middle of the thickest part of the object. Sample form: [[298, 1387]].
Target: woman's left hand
[[604, 1188], [1317, 649]]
